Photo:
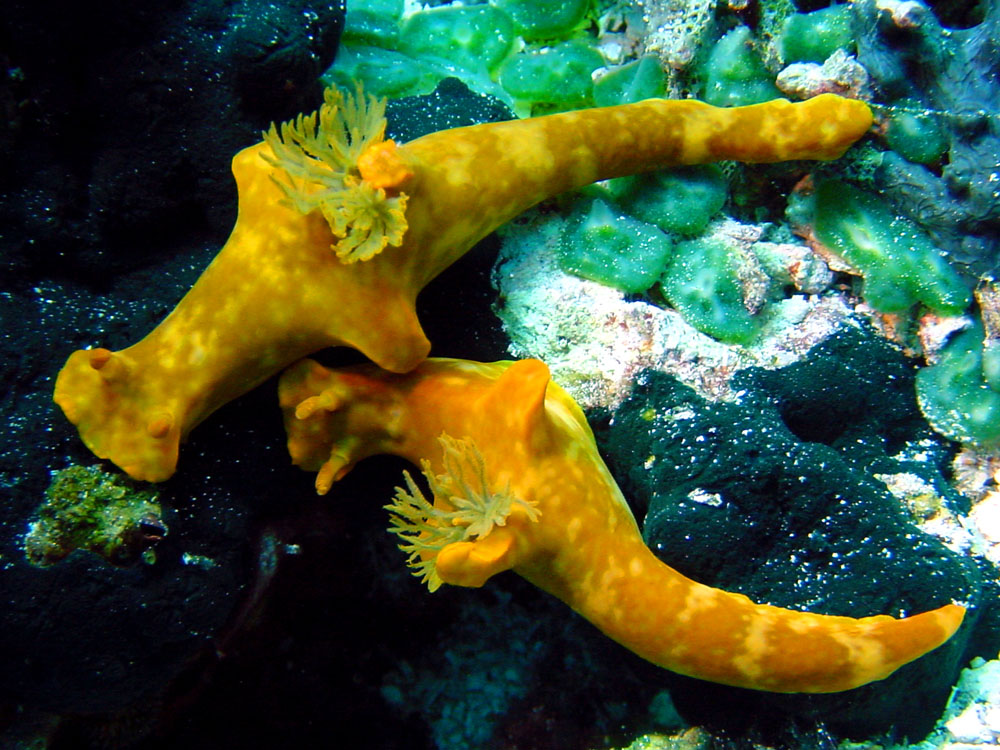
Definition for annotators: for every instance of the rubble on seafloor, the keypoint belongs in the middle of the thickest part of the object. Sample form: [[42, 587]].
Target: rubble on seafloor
[[595, 339], [970, 722]]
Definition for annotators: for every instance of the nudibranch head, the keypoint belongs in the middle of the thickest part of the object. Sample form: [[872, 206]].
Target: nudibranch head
[[338, 161]]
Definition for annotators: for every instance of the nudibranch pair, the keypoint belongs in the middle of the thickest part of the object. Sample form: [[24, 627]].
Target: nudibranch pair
[[338, 231]]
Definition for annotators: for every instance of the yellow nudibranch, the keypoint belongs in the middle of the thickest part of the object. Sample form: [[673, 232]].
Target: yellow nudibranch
[[519, 485], [338, 231]]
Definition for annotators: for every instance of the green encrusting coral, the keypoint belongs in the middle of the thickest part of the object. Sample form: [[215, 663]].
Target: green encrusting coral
[[533, 55], [914, 133], [702, 283], [900, 264], [632, 82], [560, 74], [960, 394], [813, 37], [734, 73], [476, 37], [90, 509], [681, 200], [373, 22], [621, 234], [544, 19], [605, 246]]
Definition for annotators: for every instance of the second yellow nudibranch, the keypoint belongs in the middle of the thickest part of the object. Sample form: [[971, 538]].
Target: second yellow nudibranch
[[518, 484], [339, 230]]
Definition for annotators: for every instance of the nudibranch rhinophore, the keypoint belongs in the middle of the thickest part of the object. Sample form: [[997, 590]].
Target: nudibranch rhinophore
[[339, 230], [518, 484]]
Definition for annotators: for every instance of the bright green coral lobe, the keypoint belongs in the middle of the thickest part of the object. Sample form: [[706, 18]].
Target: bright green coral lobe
[[477, 37], [681, 200], [544, 19], [914, 133], [632, 82], [960, 395], [560, 74], [612, 249], [813, 37], [899, 262], [734, 73], [703, 284], [374, 22]]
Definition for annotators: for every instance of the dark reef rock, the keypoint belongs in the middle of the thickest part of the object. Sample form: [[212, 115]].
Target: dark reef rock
[[775, 498], [451, 105], [122, 118], [85, 636]]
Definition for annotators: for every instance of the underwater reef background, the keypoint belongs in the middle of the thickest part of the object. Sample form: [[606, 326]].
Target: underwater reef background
[[792, 457]]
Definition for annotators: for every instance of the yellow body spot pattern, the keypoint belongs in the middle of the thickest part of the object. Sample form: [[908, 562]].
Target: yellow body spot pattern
[[583, 546], [276, 292]]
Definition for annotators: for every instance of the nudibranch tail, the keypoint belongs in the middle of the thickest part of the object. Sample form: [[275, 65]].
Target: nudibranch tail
[[478, 177], [525, 489], [723, 637]]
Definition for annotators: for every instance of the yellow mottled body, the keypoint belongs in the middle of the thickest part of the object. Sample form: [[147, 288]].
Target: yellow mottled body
[[579, 541], [277, 292]]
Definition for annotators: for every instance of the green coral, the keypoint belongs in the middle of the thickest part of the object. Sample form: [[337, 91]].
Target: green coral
[[545, 19], [464, 508], [90, 509], [477, 37], [681, 200], [813, 37], [703, 284], [397, 54], [317, 155], [734, 73], [386, 72], [914, 133], [560, 74], [374, 22], [960, 394], [640, 79], [900, 263], [616, 250]]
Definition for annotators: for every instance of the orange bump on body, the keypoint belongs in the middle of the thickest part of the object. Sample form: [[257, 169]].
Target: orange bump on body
[[111, 366], [160, 425], [381, 166], [99, 358]]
